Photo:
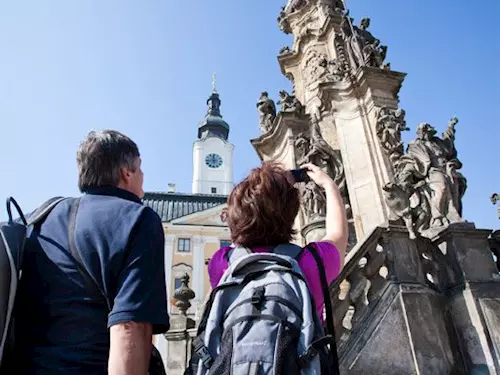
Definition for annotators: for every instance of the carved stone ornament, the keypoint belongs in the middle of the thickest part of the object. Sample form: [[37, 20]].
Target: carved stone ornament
[[362, 48], [289, 103], [427, 189], [267, 110], [390, 124], [318, 68], [183, 295], [315, 67]]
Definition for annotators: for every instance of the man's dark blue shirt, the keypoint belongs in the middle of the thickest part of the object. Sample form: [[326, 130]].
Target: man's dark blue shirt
[[60, 328]]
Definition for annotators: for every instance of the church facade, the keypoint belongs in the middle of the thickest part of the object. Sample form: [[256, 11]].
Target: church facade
[[194, 223]]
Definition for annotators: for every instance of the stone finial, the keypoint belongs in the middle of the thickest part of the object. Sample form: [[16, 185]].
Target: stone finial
[[183, 295], [495, 198]]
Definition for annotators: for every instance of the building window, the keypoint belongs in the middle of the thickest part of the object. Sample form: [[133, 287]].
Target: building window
[[184, 245], [225, 243], [214, 190], [177, 284]]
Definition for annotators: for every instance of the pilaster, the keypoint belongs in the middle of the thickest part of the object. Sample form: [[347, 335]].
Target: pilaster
[[198, 271], [169, 251]]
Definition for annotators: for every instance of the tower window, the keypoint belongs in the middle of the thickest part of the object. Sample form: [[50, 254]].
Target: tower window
[[184, 245], [214, 190]]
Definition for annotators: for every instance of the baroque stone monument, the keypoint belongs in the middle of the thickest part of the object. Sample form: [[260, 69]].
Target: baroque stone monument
[[420, 290]]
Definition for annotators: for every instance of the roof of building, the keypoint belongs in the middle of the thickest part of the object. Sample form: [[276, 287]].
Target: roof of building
[[213, 123], [171, 206]]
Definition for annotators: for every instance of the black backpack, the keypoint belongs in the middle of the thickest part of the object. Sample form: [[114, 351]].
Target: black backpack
[[12, 238]]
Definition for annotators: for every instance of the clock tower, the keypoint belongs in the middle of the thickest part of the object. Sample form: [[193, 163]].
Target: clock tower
[[212, 153]]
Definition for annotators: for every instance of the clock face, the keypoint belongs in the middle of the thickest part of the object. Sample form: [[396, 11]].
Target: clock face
[[213, 160]]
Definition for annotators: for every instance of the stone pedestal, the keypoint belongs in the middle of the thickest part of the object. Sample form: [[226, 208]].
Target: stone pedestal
[[179, 350], [475, 299], [278, 143], [419, 306]]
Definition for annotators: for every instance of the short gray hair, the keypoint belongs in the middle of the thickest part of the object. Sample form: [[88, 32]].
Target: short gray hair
[[101, 156]]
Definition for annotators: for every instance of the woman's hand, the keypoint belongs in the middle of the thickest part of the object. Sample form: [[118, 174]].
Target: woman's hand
[[318, 175]]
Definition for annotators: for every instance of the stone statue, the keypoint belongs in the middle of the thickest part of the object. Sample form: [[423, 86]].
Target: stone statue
[[362, 47], [314, 201], [428, 175], [295, 5], [390, 124], [267, 110], [282, 14], [289, 103], [311, 148], [374, 55], [285, 49], [495, 198]]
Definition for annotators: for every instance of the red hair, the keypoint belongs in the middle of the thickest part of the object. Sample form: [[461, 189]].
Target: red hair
[[262, 208]]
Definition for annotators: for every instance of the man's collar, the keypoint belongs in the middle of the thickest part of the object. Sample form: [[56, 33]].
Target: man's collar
[[114, 192]]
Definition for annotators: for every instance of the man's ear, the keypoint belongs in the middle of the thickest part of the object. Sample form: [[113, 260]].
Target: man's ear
[[125, 174]]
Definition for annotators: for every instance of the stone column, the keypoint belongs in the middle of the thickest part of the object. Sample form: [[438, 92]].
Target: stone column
[[169, 251], [367, 169]]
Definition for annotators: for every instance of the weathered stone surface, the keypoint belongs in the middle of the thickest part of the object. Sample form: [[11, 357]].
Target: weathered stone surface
[[433, 342], [469, 249], [396, 356], [490, 308]]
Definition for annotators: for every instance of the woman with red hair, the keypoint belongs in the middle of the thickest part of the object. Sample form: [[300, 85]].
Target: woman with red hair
[[261, 213]]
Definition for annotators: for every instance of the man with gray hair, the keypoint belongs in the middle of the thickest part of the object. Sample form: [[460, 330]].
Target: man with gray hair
[[62, 325]]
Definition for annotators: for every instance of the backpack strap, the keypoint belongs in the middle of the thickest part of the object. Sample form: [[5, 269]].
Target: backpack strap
[[90, 283], [288, 249], [236, 253], [11, 200], [42, 212], [330, 328]]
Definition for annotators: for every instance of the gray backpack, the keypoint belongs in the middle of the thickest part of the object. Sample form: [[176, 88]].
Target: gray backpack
[[261, 319]]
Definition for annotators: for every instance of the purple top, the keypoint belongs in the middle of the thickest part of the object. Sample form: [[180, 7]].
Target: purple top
[[328, 253]]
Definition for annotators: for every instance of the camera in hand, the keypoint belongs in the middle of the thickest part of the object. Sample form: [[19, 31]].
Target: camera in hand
[[300, 175]]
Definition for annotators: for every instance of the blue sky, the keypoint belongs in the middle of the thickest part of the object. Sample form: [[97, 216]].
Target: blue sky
[[145, 68]]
